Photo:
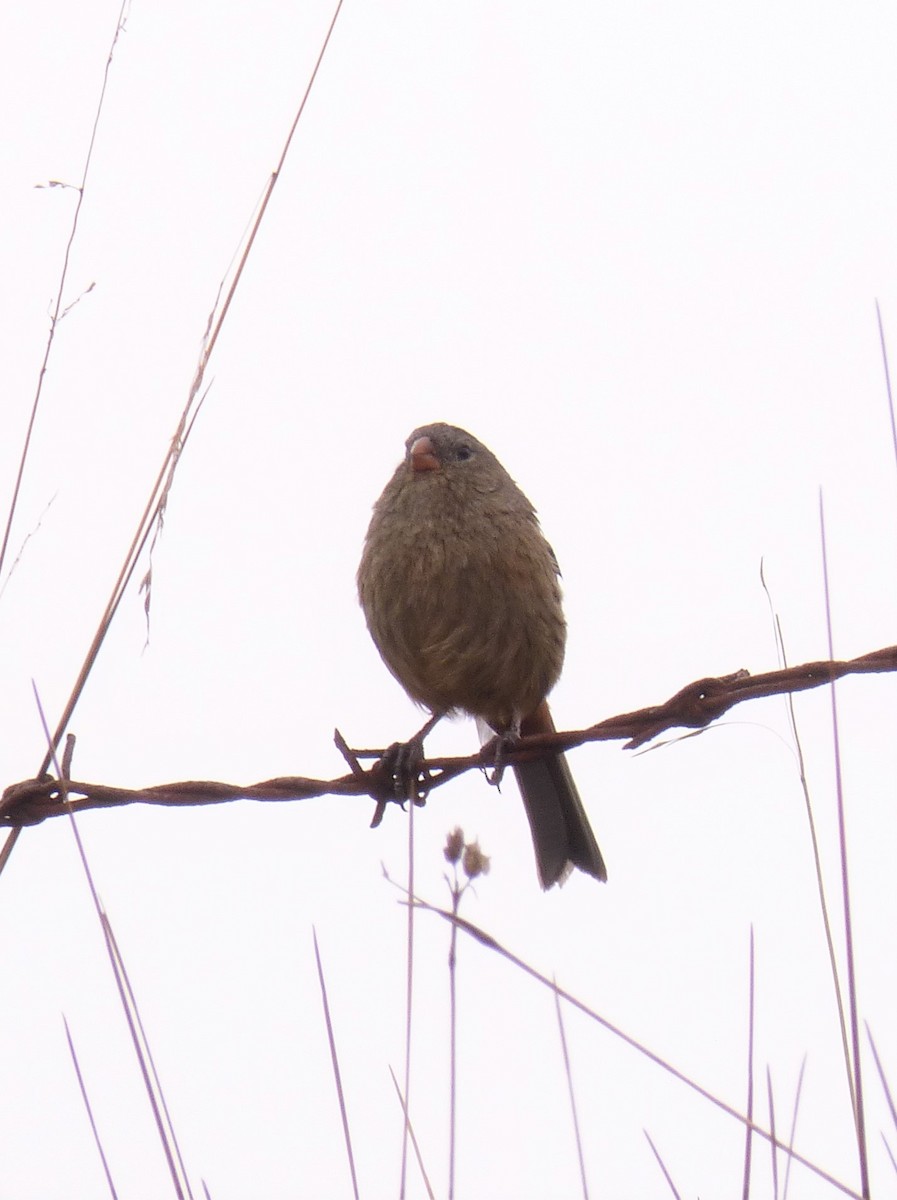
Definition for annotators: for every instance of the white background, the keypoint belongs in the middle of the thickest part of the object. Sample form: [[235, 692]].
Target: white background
[[636, 250]]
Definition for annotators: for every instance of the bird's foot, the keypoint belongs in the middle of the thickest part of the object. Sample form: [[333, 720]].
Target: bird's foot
[[402, 764], [503, 743], [402, 772]]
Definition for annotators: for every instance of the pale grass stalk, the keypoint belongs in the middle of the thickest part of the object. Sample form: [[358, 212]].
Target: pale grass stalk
[[859, 1108], [413, 1139], [491, 943], [892, 1108], [568, 1071], [749, 1124], [474, 864], [151, 1080], [409, 988], [817, 858], [791, 1136], [87, 1105], [667, 1176], [772, 1129], [890, 1153], [155, 506], [58, 312], [456, 893], [56, 316], [337, 1077], [884, 358]]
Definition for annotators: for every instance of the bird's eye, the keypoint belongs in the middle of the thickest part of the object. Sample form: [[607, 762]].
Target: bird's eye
[[463, 453]]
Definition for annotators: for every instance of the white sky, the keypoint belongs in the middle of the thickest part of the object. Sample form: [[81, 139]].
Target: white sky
[[636, 250]]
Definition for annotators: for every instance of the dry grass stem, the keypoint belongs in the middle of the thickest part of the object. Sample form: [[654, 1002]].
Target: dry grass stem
[[662, 1166], [415, 1146], [858, 1099], [334, 1058], [793, 1133], [409, 997], [568, 1071], [772, 1129], [491, 943], [153, 514], [58, 311], [749, 1124], [90, 1116], [128, 1000], [890, 394], [892, 1108]]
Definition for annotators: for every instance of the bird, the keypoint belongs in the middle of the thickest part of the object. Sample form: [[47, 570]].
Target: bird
[[461, 594]]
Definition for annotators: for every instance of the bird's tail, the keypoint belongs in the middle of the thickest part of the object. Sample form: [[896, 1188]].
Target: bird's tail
[[562, 836]]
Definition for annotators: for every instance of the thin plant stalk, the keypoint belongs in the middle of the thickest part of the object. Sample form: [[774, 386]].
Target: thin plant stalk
[[335, 1061], [90, 1116], [892, 1108], [417, 1154], [456, 893], [859, 1115], [817, 856], [58, 311], [568, 1070], [158, 496], [884, 359], [749, 1124], [772, 1130], [667, 1176], [409, 987], [151, 1081], [491, 943], [793, 1133], [890, 1153]]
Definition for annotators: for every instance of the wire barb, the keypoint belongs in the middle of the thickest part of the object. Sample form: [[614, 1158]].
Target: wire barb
[[693, 707]]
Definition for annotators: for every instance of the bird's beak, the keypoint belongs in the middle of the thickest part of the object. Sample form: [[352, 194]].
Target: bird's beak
[[423, 456]]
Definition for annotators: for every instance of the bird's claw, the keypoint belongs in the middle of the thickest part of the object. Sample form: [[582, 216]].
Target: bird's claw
[[503, 743], [401, 765], [401, 774]]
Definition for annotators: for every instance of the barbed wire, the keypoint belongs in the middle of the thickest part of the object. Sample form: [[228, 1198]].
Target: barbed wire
[[692, 707]]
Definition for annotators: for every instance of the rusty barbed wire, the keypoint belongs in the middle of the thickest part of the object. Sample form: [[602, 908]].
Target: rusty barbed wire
[[692, 707]]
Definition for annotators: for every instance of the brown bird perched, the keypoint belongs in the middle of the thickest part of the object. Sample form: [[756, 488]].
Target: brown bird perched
[[461, 595]]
